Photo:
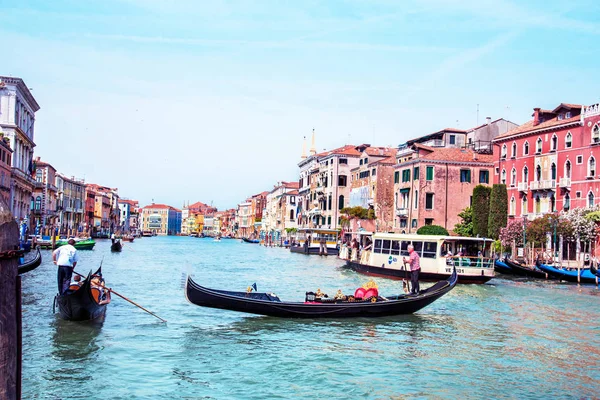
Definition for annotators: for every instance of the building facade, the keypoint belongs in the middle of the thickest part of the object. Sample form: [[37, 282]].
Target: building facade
[[17, 122], [5, 168], [160, 219], [127, 209], [71, 195], [45, 199]]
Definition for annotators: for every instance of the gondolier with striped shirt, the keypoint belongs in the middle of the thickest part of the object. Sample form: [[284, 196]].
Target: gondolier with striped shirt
[[66, 258], [415, 267]]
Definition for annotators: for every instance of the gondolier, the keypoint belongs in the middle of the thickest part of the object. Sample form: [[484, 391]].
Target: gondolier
[[415, 266], [66, 258]]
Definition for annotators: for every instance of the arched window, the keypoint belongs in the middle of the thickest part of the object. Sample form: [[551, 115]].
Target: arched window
[[39, 175], [538, 173], [513, 153], [513, 205], [538, 145], [513, 177], [526, 148], [596, 134], [524, 206], [503, 180], [341, 202], [568, 169], [566, 201], [416, 199], [590, 199], [553, 171], [291, 215], [552, 204], [592, 167], [525, 174], [568, 140], [38, 203], [503, 154], [554, 142], [538, 205]]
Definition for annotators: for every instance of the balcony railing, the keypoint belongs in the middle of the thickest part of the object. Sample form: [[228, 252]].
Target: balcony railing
[[522, 186], [565, 182], [402, 212], [547, 184]]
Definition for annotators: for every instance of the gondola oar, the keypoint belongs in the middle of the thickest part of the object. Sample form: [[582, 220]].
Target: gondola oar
[[405, 284], [125, 298]]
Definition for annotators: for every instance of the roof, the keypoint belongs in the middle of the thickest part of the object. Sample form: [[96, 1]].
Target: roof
[[292, 192], [348, 150], [391, 160], [435, 134], [457, 155], [291, 185], [160, 207], [566, 105], [486, 124], [528, 126], [381, 151], [422, 146]]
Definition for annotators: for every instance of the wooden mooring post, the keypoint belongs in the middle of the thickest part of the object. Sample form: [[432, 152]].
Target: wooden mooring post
[[10, 307]]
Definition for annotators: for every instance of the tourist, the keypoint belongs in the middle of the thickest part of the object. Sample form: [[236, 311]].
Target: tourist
[[322, 246], [66, 258], [415, 266]]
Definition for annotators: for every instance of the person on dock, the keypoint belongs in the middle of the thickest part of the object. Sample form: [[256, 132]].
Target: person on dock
[[415, 267], [66, 258]]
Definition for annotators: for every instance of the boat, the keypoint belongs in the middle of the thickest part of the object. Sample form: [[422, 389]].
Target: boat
[[501, 267], [85, 302], [116, 245], [255, 241], [80, 244], [521, 270], [314, 307], [594, 270], [128, 238], [147, 234], [31, 264], [439, 255], [584, 275], [315, 241]]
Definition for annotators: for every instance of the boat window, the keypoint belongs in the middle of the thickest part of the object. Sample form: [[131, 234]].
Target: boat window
[[418, 247], [386, 246], [395, 247], [429, 249], [404, 248], [377, 248]]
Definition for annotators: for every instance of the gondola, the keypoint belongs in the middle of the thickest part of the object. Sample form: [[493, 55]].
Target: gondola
[[269, 304], [501, 267], [31, 264], [518, 269], [85, 302], [116, 245], [585, 275], [250, 240], [594, 270]]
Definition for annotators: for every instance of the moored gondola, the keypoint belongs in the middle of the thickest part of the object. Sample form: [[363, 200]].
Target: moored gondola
[[116, 245], [584, 275], [594, 270], [501, 267], [31, 264], [255, 241], [521, 270], [270, 304], [86, 301]]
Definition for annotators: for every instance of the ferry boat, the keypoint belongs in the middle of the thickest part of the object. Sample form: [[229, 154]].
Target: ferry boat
[[308, 241], [439, 255]]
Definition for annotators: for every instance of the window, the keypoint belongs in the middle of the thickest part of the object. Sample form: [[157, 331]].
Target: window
[[513, 206], [590, 199], [513, 153], [525, 174], [591, 167], [429, 201], [452, 139], [484, 176], [553, 171], [503, 154], [403, 223], [39, 175], [526, 148], [395, 248], [415, 173], [596, 134], [329, 220], [538, 146], [465, 175], [291, 215], [513, 177], [567, 201], [496, 171], [413, 224], [568, 140], [428, 221], [292, 199], [360, 162], [503, 177], [579, 160], [329, 203], [406, 175], [373, 172], [524, 206], [38, 203], [554, 143], [538, 173], [366, 161], [429, 249], [341, 202], [568, 169], [416, 199], [343, 161], [578, 194], [397, 177], [429, 174]]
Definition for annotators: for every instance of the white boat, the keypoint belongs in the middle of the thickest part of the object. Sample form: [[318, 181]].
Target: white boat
[[439, 254], [316, 241]]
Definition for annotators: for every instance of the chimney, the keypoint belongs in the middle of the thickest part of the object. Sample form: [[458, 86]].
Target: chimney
[[488, 120], [536, 116]]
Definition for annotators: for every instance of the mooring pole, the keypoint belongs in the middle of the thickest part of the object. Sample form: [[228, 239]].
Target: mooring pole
[[10, 303]]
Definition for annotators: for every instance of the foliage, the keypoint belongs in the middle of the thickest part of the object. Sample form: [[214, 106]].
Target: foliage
[[582, 227], [496, 246], [344, 222], [512, 231], [498, 210], [291, 230], [359, 212], [481, 210], [539, 228], [593, 216], [432, 230], [465, 227]]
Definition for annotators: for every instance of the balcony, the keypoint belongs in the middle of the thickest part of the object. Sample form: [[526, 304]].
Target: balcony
[[522, 186], [38, 185], [402, 212], [548, 184], [565, 183]]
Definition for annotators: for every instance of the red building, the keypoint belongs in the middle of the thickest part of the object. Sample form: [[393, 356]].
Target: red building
[[549, 163]]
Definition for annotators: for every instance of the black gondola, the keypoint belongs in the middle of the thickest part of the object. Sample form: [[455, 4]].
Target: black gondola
[[254, 241], [116, 245], [518, 269], [31, 264], [85, 302], [500, 266], [269, 304], [594, 270]]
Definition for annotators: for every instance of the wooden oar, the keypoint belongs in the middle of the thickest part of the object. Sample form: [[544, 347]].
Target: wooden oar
[[406, 285], [125, 298]]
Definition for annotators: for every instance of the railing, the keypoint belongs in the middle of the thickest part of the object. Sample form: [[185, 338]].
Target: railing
[[522, 186], [402, 212], [565, 182], [468, 261], [543, 185]]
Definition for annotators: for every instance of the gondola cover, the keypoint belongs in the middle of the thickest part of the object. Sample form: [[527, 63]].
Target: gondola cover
[[85, 302]]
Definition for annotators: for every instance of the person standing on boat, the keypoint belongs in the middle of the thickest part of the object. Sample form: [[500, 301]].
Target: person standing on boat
[[415, 267], [66, 257]]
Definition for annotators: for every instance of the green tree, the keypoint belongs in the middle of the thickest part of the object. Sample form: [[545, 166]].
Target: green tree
[[465, 227], [481, 210], [358, 212], [498, 210], [432, 230]]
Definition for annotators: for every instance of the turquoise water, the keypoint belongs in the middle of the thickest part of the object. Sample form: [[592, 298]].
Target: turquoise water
[[506, 339]]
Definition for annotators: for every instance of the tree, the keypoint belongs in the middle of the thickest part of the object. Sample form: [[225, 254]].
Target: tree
[[512, 231], [481, 210], [465, 227], [498, 213], [432, 230], [358, 212]]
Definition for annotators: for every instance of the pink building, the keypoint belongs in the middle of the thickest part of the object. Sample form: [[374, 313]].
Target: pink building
[[5, 168]]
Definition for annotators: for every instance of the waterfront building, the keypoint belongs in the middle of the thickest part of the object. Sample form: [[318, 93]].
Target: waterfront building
[[127, 209], [199, 223], [102, 210], [276, 218], [435, 184], [550, 162], [244, 219], [227, 218], [160, 219], [208, 227], [17, 122], [5, 167], [257, 207], [45, 199], [189, 215], [70, 205]]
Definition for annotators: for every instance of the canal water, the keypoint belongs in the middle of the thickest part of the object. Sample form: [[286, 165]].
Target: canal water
[[505, 339]]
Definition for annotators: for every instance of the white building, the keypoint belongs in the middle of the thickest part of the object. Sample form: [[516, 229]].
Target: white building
[[17, 122]]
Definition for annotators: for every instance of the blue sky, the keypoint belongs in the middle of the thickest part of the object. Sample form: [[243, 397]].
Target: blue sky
[[210, 101]]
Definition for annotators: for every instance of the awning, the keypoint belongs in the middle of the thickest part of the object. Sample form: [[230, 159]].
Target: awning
[[405, 190]]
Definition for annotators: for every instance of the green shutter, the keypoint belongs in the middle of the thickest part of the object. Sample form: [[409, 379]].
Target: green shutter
[[396, 177], [429, 176], [416, 173]]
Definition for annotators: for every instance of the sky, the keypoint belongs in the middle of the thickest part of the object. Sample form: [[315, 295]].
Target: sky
[[177, 101]]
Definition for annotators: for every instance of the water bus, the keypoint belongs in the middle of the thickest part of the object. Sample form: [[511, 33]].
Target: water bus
[[439, 255], [316, 241]]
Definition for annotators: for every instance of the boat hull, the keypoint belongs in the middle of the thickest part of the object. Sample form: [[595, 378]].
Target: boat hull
[[313, 251], [250, 303], [518, 269], [32, 264], [586, 276], [80, 304], [394, 273], [502, 267]]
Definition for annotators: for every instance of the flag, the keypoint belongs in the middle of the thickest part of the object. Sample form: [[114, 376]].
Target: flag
[[254, 286]]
